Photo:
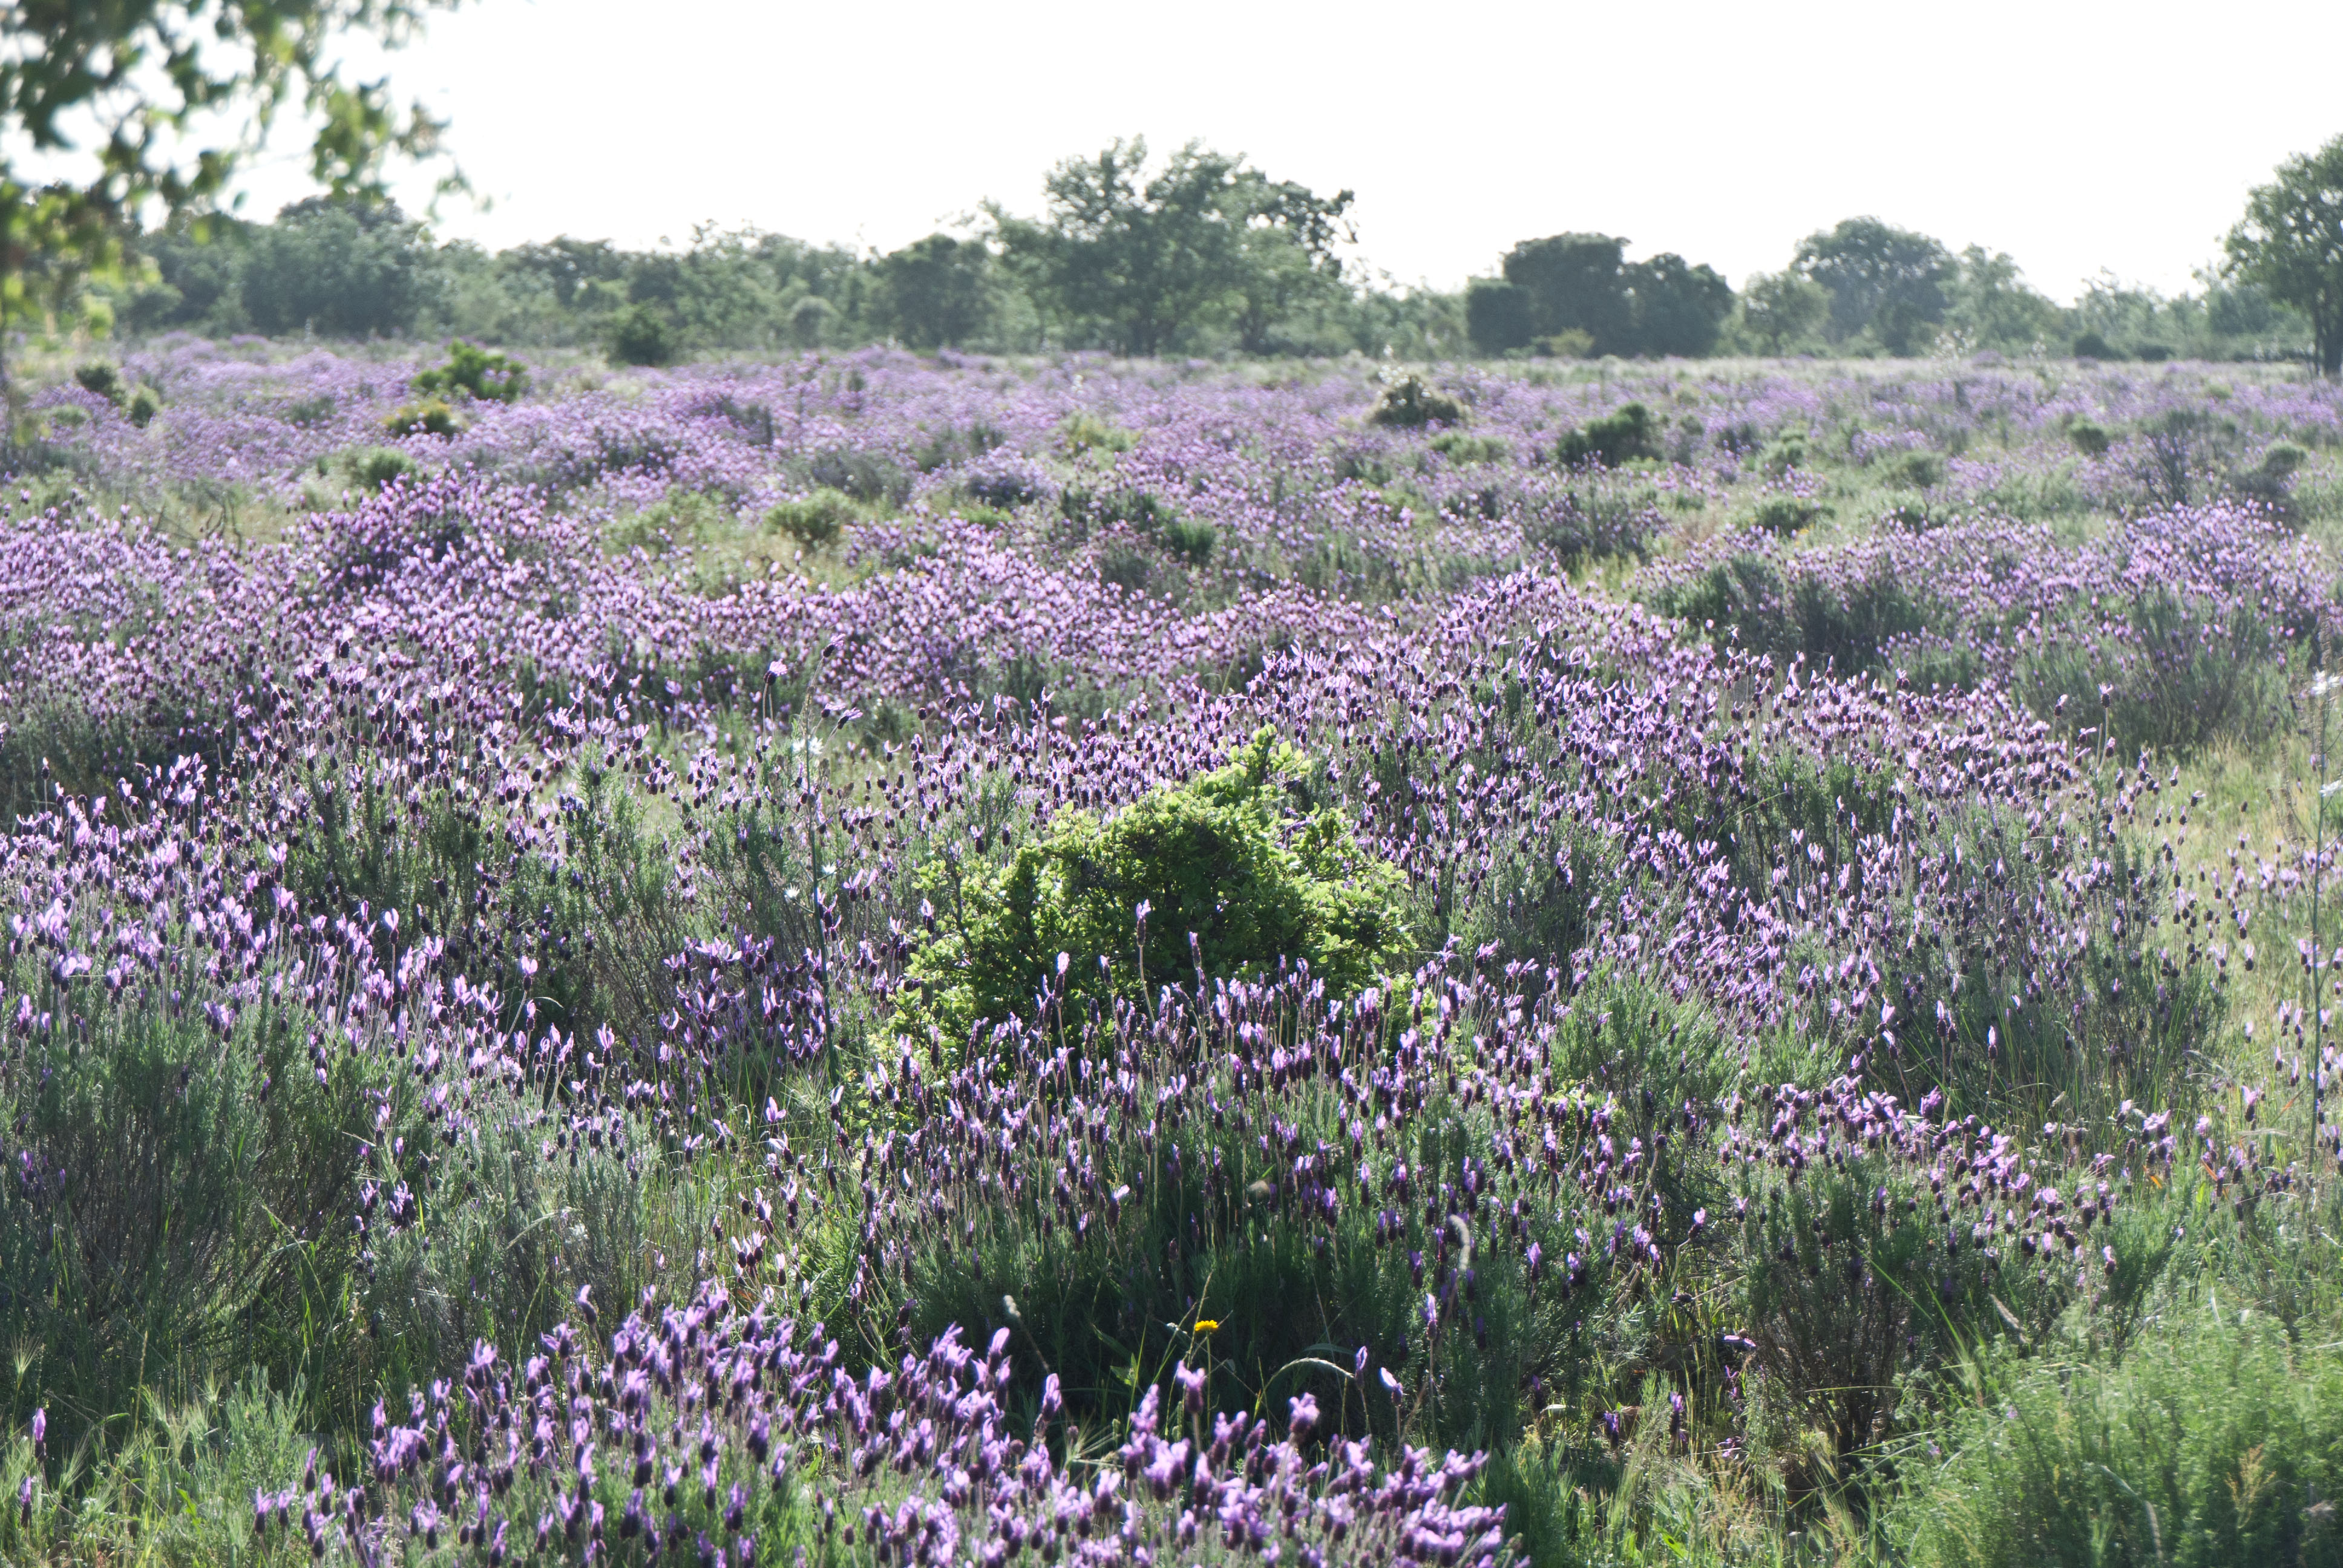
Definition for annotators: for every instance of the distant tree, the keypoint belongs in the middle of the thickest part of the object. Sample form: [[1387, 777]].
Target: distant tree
[[1674, 307], [112, 101], [566, 268], [1991, 306], [1149, 255], [1499, 316], [938, 292], [1577, 282], [1888, 280], [1781, 308], [341, 267], [2290, 245], [1286, 254]]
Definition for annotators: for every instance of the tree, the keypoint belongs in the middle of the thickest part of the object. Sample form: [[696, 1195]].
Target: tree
[[1286, 254], [1887, 279], [1991, 306], [1149, 256], [1575, 282], [2290, 245], [116, 93], [341, 269], [1499, 316], [1781, 308], [938, 292], [1674, 307]]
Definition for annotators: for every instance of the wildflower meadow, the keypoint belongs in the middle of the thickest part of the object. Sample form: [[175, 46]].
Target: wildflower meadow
[[865, 957]]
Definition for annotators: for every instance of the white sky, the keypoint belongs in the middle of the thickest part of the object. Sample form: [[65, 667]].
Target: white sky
[[2075, 136]]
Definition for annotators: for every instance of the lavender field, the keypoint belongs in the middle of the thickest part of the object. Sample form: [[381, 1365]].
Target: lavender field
[[877, 959]]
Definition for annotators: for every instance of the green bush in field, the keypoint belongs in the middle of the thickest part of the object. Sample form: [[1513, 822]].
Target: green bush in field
[[99, 377], [1412, 402], [430, 416], [2090, 437], [1233, 857], [1614, 441], [816, 519], [478, 373]]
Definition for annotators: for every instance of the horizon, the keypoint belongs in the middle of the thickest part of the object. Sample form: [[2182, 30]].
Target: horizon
[[1440, 199]]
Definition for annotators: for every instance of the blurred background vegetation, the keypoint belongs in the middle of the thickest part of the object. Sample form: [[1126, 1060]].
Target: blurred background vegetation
[[1197, 253]]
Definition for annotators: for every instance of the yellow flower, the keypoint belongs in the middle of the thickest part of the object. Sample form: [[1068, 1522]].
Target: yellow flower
[[1206, 1325]]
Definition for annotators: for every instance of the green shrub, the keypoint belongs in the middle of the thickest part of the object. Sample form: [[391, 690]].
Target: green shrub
[[2270, 484], [865, 475], [1231, 858], [1083, 431], [197, 1186], [1191, 539], [1787, 515], [816, 519], [2215, 1441], [377, 468], [431, 417], [1614, 441], [477, 373], [309, 411], [101, 379], [2094, 346], [1914, 470], [1462, 449], [2091, 439], [639, 335], [144, 403], [1412, 402]]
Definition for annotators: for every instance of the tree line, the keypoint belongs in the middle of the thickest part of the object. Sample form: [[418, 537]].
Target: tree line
[[1203, 253]]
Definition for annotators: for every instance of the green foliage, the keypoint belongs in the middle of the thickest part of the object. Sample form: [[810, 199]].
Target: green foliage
[[166, 130], [816, 519], [640, 334], [1412, 402], [1616, 439], [427, 417], [144, 403], [1786, 514], [2090, 437], [101, 379], [939, 291], [1574, 282], [1780, 310], [1232, 858], [1084, 432], [1499, 314], [2215, 1441], [2290, 245], [2092, 345], [477, 373], [1142, 256], [1886, 280], [336, 268], [377, 468], [199, 1181]]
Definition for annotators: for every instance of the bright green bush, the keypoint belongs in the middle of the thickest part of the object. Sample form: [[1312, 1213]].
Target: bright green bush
[[1235, 858], [815, 520], [431, 417], [475, 372]]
